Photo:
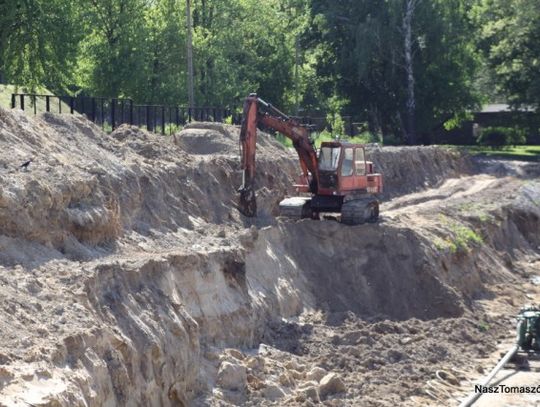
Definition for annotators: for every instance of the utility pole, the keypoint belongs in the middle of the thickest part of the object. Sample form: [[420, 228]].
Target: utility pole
[[191, 95], [296, 63]]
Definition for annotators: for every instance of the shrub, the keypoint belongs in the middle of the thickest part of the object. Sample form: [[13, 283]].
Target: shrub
[[391, 140], [498, 137]]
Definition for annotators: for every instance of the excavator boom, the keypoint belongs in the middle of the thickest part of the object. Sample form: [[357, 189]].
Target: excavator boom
[[258, 112]]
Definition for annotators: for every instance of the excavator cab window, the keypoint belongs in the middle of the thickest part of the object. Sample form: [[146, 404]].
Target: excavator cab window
[[329, 158], [347, 166], [360, 161]]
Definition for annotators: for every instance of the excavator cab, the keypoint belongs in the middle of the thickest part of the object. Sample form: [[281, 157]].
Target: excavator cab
[[343, 169], [347, 184]]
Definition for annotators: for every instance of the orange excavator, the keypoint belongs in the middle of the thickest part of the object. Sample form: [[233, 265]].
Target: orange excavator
[[337, 179]]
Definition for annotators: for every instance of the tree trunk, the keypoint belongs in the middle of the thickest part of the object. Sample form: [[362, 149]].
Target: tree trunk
[[191, 95], [410, 106]]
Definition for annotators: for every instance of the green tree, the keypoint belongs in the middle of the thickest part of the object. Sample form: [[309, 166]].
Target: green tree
[[38, 42], [113, 53], [364, 55], [135, 49], [242, 46], [510, 41]]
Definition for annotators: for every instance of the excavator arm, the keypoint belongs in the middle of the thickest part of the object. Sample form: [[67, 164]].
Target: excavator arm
[[258, 112]]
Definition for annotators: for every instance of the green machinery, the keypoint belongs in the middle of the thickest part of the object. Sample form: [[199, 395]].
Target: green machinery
[[529, 329], [528, 340]]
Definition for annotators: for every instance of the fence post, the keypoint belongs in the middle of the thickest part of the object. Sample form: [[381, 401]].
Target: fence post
[[93, 109], [113, 113], [122, 112], [71, 104], [163, 120], [59, 105], [22, 102], [170, 122], [102, 114], [34, 99], [189, 114], [131, 112], [13, 101]]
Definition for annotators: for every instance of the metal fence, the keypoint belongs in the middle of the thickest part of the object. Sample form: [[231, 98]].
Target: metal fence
[[352, 125], [109, 113]]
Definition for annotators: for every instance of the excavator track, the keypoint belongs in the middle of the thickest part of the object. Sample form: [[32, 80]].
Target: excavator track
[[360, 211]]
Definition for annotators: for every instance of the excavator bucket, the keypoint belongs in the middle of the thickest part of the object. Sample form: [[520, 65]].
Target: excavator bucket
[[248, 203]]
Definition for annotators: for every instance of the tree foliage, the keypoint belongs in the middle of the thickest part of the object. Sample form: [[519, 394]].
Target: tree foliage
[[365, 59], [241, 46], [38, 42], [405, 67], [509, 37]]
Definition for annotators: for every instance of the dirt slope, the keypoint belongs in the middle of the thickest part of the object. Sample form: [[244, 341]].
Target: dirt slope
[[127, 276]]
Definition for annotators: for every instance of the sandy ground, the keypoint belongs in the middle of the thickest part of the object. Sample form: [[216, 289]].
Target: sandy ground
[[384, 361], [128, 277]]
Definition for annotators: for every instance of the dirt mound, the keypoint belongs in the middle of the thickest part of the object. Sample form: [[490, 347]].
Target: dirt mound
[[216, 138], [409, 169], [86, 187]]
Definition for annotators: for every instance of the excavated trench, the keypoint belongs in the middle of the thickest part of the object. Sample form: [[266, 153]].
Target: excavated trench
[[128, 277]]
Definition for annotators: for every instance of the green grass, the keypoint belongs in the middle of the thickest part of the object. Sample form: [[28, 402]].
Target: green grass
[[5, 95], [522, 153], [5, 100], [460, 238], [476, 210]]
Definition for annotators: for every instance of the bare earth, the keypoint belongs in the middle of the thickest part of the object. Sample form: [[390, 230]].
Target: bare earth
[[128, 277]]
